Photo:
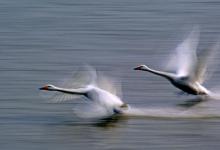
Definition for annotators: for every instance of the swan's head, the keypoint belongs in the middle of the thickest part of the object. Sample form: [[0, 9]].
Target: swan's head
[[141, 67], [48, 87]]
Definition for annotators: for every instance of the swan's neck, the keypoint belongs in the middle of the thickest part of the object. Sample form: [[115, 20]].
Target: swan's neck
[[166, 75], [80, 91]]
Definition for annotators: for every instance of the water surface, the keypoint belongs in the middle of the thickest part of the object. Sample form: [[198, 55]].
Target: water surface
[[45, 41]]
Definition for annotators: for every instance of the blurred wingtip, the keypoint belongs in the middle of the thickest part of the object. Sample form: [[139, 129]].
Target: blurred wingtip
[[82, 76], [194, 34], [207, 62], [92, 72], [184, 58]]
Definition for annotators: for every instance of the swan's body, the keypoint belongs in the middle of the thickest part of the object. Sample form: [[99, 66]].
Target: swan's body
[[190, 70]]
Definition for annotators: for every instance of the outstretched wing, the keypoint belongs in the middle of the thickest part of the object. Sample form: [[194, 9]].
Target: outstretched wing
[[60, 97], [205, 60], [109, 84], [184, 59], [85, 76]]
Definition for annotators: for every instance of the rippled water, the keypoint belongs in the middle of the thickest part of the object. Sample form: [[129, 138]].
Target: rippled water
[[44, 41]]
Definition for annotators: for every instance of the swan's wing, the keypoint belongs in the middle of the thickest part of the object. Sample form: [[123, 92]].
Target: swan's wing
[[80, 79], [184, 58], [85, 76], [60, 97], [205, 64], [109, 84]]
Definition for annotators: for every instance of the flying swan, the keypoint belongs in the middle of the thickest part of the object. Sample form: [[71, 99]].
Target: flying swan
[[190, 70], [95, 94]]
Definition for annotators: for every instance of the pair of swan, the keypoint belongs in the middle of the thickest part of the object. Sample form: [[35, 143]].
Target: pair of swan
[[190, 69], [189, 77]]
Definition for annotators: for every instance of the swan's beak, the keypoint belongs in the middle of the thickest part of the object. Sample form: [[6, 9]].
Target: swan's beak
[[44, 88], [138, 68]]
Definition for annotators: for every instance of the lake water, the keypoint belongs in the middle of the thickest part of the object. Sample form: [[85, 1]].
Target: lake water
[[44, 41]]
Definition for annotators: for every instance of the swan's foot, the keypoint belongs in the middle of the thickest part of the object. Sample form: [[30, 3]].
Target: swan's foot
[[117, 111], [122, 108]]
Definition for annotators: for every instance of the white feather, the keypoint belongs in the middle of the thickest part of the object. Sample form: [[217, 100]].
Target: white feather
[[184, 58]]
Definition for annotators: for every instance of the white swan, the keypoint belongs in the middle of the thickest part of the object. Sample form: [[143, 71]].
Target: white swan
[[107, 100], [190, 70]]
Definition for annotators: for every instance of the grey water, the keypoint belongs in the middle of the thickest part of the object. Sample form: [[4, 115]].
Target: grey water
[[45, 41]]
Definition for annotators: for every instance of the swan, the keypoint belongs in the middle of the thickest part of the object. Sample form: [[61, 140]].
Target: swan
[[190, 70], [99, 96]]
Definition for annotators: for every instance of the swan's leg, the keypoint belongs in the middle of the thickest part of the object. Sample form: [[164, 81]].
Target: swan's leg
[[122, 108], [117, 111]]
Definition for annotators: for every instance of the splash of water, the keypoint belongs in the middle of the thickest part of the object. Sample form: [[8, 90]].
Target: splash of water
[[205, 109], [91, 110]]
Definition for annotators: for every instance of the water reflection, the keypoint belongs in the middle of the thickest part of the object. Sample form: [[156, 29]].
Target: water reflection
[[111, 122], [192, 102]]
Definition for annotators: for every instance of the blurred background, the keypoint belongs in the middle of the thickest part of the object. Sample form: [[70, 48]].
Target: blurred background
[[44, 41]]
